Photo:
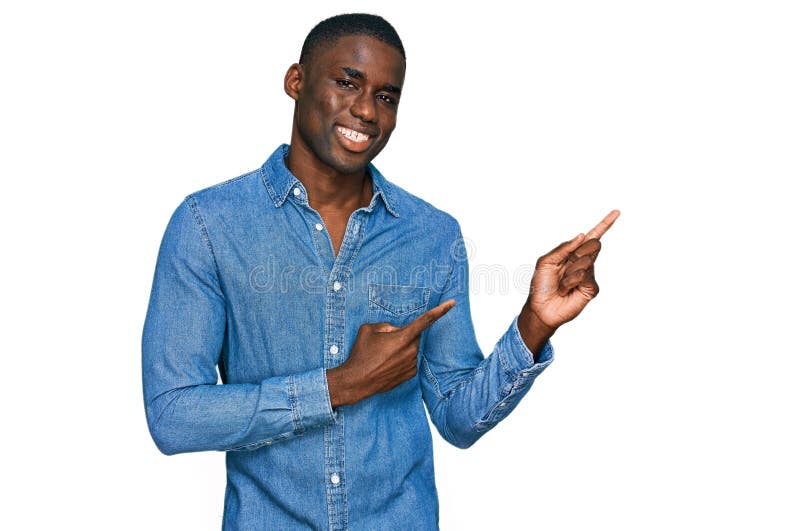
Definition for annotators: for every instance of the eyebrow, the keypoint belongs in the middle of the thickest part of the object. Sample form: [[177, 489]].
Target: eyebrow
[[358, 74]]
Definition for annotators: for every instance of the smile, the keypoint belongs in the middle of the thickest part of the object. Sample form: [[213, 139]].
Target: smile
[[352, 135]]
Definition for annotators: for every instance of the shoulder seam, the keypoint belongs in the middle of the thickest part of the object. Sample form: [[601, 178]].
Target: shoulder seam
[[190, 201], [401, 194], [453, 250]]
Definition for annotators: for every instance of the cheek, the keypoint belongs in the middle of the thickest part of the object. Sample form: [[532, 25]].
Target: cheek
[[327, 105], [320, 108], [389, 122]]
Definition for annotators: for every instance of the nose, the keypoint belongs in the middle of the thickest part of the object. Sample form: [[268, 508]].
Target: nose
[[364, 107]]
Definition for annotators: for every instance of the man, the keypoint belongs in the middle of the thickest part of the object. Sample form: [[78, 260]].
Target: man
[[334, 304]]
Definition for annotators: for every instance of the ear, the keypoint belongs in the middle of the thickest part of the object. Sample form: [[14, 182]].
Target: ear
[[293, 81]]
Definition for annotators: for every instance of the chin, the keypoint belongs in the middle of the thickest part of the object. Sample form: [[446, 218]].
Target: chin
[[354, 163], [349, 168]]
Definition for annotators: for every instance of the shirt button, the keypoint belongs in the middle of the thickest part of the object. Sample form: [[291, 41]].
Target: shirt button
[[334, 349], [502, 404], [335, 479], [318, 226], [337, 286], [296, 192]]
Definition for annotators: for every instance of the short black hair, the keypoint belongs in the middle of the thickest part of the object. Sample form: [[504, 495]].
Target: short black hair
[[330, 29]]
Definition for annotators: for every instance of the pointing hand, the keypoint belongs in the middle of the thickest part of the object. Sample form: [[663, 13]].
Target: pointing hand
[[382, 357], [562, 284]]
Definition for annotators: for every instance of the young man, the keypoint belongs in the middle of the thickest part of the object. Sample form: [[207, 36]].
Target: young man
[[335, 304]]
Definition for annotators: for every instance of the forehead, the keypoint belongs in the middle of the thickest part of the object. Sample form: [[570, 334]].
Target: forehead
[[374, 57]]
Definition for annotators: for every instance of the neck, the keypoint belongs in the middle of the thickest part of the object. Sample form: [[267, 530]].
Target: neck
[[329, 190]]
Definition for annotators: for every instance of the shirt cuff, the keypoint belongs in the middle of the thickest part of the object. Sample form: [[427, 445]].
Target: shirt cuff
[[310, 400], [520, 358]]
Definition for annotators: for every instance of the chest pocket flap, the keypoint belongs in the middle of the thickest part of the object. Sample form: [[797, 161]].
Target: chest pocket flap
[[397, 304]]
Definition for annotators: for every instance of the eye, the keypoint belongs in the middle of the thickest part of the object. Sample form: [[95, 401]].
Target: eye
[[344, 83], [387, 99]]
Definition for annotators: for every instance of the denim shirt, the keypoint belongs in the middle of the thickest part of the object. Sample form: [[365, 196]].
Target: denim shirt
[[247, 283]]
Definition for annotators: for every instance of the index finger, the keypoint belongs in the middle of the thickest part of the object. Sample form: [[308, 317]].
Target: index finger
[[603, 226], [418, 325]]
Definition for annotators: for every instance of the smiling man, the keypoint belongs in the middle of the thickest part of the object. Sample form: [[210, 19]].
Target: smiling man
[[335, 307]]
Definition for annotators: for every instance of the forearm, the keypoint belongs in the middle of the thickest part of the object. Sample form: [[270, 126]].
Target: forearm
[[466, 406], [238, 416]]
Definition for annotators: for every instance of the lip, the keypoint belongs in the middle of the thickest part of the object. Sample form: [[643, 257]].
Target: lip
[[352, 145], [371, 131]]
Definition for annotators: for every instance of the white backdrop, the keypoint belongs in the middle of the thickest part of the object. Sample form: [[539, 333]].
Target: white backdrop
[[672, 402]]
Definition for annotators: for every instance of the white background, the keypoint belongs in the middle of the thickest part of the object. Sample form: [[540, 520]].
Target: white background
[[673, 400]]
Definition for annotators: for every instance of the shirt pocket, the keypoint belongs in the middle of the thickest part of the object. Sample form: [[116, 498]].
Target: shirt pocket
[[397, 305]]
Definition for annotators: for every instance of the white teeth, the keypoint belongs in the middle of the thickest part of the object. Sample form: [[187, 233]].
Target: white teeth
[[355, 136]]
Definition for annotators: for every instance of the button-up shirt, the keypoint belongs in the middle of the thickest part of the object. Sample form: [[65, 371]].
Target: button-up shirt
[[247, 285]]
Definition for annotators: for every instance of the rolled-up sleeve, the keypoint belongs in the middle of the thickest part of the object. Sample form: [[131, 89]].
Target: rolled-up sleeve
[[182, 341], [465, 393]]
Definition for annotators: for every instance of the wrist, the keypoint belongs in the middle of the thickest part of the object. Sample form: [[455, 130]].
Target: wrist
[[533, 330], [340, 389]]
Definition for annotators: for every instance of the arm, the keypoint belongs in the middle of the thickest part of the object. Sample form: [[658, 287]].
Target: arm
[[467, 395], [181, 345]]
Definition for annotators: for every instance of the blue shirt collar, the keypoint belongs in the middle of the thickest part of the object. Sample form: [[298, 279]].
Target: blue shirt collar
[[280, 181]]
